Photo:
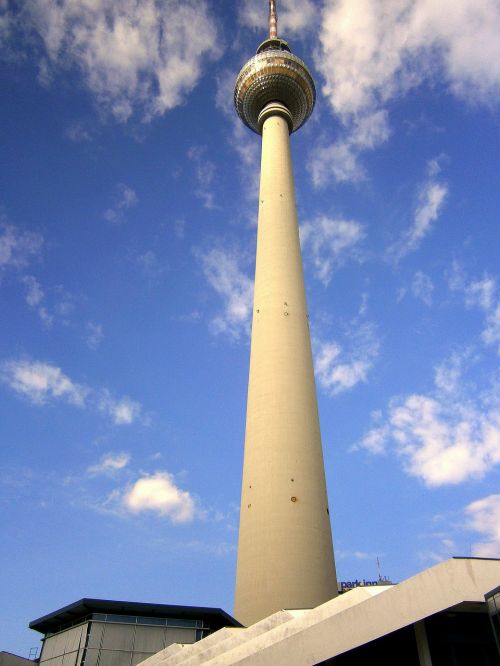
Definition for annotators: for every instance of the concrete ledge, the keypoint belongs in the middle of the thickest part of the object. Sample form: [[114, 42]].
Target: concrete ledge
[[326, 632], [305, 637]]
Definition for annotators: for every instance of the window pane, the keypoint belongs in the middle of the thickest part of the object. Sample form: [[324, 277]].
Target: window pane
[[152, 620], [171, 622], [125, 619]]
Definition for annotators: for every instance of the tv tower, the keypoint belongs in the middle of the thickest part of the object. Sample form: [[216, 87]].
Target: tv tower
[[285, 552]]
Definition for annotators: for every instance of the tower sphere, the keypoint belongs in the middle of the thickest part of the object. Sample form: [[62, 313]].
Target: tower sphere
[[274, 74]]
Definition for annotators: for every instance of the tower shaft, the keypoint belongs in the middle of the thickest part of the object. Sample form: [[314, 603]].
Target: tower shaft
[[285, 553]]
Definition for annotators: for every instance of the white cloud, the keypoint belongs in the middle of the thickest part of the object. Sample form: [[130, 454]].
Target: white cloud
[[445, 437], [123, 411], [78, 131], [180, 229], [373, 51], [94, 335], [159, 493], [17, 247], [35, 297], [448, 374], [151, 266], [126, 198], [431, 198], [422, 287], [109, 464], [483, 516], [133, 55], [40, 382], [330, 242], [338, 370], [491, 333], [222, 271], [443, 549], [204, 171], [294, 17], [482, 294], [340, 159]]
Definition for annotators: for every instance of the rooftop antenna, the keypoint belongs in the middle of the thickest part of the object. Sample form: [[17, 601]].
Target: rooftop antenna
[[273, 20]]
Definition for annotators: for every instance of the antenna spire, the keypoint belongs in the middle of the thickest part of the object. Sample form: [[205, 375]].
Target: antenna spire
[[273, 20]]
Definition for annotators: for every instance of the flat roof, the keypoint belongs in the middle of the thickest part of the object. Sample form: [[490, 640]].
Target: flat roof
[[216, 618]]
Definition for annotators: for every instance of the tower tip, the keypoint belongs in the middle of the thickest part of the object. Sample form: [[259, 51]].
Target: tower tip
[[273, 20]]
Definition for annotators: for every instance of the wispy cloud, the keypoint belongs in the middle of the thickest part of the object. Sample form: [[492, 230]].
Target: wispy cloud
[[448, 374], [109, 464], [340, 160], [143, 57], [35, 297], [330, 242], [483, 516], [158, 493], [447, 436], [371, 52], [223, 272], [483, 294], [79, 132], [339, 369], [123, 411], [431, 197], [17, 247], [422, 287], [151, 266], [93, 335], [41, 382], [125, 198], [295, 16], [205, 172]]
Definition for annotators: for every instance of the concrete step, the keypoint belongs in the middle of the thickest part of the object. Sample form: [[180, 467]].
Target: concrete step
[[227, 640]]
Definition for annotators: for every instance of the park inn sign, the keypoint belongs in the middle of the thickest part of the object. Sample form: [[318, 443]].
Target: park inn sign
[[345, 585]]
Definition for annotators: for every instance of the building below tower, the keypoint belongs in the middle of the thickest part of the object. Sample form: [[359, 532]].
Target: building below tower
[[95, 632]]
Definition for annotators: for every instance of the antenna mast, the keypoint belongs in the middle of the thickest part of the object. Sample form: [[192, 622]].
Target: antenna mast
[[273, 20]]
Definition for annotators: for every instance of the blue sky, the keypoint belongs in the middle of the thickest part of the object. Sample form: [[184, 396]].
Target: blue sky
[[128, 204]]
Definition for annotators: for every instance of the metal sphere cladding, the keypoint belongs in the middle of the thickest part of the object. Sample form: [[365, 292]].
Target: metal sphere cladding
[[274, 74]]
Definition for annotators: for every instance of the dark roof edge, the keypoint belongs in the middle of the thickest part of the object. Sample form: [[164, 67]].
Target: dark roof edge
[[83, 607]]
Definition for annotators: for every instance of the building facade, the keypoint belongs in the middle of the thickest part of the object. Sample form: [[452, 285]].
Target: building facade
[[94, 632]]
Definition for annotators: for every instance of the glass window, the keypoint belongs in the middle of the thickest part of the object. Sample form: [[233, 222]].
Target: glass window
[[124, 619], [172, 622], [157, 621]]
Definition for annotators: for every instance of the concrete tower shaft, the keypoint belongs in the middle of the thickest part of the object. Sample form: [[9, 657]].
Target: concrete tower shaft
[[285, 553]]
